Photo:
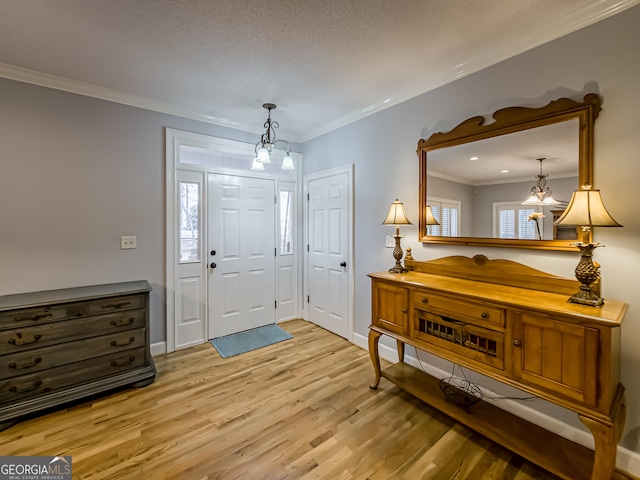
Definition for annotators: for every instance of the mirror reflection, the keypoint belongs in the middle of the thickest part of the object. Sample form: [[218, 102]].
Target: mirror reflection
[[503, 183], [477, 189]]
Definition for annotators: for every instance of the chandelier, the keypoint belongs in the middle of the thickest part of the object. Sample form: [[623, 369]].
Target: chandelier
[[268, 141], [540, 193]]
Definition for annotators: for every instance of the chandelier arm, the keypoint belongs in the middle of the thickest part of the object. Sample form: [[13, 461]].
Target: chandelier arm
[[287, 149]]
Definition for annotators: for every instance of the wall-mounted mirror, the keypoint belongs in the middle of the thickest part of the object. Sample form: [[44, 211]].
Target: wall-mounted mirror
[[479, 179]]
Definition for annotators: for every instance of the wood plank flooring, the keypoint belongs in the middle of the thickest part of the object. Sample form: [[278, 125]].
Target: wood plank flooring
[[300, 409]]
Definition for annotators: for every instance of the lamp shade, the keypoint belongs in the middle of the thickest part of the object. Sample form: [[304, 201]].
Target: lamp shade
[[586, 209], [287, 163], [397, 215], [431, 220]]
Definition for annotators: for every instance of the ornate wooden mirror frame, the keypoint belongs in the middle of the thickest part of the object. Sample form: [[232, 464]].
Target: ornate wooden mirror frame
[[512, 120]]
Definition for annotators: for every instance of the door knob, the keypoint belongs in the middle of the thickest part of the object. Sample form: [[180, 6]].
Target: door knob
[[343, 264], [213, 252], [213, 265]]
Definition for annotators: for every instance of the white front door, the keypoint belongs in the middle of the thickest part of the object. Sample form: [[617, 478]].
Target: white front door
[[241, 253], [329, 224]]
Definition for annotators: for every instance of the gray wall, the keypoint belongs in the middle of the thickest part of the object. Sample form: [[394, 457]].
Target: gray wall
[[601, 58], [76, 174]]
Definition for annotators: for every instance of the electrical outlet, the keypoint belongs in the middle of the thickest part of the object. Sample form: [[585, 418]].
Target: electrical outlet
[[390, 241], [128, 242]]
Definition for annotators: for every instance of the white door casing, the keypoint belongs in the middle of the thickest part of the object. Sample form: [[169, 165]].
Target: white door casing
[[329, 270], [241, 232], [191, 157]]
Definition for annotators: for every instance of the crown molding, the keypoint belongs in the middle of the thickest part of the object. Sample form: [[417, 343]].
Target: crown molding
[[64, 84], [559, 27]]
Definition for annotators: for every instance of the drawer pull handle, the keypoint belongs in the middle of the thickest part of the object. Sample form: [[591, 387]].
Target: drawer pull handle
[[424, 300], [404, 310], [130, 360], [33, 317], [36, 361], [122, 322], [116, 305], [23, 341], [116, 344], [516, 343], [484, 315], [36, 385]]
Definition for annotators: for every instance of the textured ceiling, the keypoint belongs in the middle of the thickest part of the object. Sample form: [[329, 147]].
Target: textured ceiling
[[324, 63]]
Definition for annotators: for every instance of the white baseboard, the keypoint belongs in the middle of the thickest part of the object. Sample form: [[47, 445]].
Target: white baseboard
[[626, 460], [159, 348]]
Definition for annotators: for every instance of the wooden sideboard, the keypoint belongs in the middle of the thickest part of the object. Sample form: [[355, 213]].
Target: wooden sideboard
[[58, 346], [511, 323]]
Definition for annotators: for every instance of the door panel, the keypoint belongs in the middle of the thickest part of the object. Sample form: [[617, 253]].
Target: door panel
[[190, 297], [242, 235], [328, 214], [558, 356]]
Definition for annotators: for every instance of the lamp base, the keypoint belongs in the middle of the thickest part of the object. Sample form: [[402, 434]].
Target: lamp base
[[586, 296], [398, 268], [397, 254], [587, 273]]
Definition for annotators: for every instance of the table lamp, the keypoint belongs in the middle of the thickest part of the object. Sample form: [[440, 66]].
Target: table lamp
[[431, 220], [397, 216], [586, 210]]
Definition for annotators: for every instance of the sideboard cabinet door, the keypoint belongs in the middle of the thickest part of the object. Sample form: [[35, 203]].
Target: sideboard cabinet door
[[390, 307], [557, 356]]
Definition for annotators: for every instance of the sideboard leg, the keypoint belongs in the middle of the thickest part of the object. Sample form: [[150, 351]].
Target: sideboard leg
[[400, 351], [374, 338], [606, 437], [605, 448]]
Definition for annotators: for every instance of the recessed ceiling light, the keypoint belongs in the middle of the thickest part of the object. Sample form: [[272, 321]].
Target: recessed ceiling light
[[474, 158], [504, 171]]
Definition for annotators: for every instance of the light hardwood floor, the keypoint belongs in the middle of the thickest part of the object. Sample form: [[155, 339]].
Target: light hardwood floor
[[300, 409]]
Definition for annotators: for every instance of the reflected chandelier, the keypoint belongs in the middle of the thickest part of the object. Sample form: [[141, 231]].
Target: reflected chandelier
[[540, 193], [268, 141]]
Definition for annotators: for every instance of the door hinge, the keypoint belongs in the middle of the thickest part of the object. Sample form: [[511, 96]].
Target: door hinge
[[275, 252], [307, 247], [275, 304], [308, 197]]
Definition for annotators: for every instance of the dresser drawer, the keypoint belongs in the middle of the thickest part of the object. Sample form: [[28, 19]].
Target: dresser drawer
[[459, 338], [38, 315], [36, 336], [18, 388], [474, 312], [65, 353]]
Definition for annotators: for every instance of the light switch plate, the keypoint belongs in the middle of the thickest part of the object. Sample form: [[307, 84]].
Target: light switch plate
[[390, 241], [128, 242]]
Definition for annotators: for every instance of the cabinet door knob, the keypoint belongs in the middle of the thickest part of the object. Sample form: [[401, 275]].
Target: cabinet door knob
[[484, 315], [404, 310], [424, 300], [516, 343]]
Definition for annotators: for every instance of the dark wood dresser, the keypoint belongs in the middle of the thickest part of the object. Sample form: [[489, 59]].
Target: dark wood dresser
[[58, 346]]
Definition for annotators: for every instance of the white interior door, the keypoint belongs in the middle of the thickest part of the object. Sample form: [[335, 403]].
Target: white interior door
[[328, 259], [241, 253]]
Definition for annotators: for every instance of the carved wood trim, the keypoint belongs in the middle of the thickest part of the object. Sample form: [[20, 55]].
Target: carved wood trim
[[501, 272]]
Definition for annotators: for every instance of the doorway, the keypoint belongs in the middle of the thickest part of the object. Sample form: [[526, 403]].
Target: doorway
[[241, 253], [329, 232]]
